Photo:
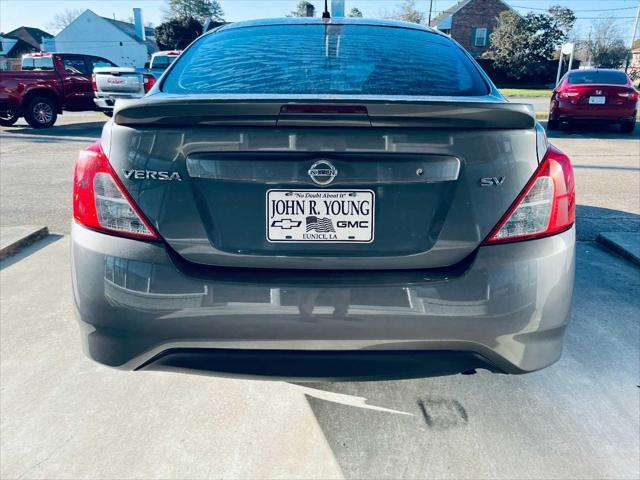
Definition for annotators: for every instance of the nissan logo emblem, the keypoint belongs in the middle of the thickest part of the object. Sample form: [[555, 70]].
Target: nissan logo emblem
[[322, 172]]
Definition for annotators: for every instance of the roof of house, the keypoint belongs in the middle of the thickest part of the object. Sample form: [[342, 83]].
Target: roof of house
[[130, 30], [18, 48], [452, 10], [31, 35]]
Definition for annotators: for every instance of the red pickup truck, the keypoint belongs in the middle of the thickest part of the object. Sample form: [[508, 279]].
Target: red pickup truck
[[48, 84]]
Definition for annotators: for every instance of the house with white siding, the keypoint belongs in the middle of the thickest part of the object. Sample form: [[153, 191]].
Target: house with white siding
[[125, 44]]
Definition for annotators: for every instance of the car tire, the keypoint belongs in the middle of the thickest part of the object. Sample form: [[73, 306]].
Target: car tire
[[553, 124], [628, 127], [8, 117], [41, 112]]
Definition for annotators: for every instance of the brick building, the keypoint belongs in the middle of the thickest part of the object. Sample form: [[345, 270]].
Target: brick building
[[470, 23]]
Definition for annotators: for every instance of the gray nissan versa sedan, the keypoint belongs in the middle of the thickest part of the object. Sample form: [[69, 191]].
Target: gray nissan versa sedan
[[308, 198]]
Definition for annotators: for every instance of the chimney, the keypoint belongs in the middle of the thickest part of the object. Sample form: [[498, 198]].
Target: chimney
[[310, 10], [138, 24], [337, 8]]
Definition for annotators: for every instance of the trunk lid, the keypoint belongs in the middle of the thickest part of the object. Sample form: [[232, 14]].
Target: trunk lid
[[208, 175]]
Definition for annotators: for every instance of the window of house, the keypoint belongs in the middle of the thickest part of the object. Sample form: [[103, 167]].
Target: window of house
[[480, 38]]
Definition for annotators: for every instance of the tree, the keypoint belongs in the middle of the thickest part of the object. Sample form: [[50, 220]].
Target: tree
[[604, 47], [63, 19], [304, 9], [522, 46], [355, 12], [201, 10], [407, 12], [176, 34]]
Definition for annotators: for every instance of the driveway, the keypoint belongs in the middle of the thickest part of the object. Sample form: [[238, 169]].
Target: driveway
[[63, 416], [540, 104]]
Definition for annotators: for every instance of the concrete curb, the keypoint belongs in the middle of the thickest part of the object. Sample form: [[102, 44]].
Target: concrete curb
[[14, 239], [625, 244]]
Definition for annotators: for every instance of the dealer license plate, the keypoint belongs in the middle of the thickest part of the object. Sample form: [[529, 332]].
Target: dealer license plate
[[320, 216]]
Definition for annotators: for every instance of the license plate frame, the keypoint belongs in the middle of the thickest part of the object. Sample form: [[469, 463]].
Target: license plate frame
[[304, 222], [597, 100]]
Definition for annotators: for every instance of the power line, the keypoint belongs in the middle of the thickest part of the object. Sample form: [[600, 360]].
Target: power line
[[578, 10], [600, 18], [581, 1], [577, 17]]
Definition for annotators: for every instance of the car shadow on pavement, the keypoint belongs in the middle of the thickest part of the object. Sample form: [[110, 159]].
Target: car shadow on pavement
[[547, 424], [591, 221], [603, 131]]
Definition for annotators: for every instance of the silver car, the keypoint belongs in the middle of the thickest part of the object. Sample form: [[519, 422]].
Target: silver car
[[308, 198]]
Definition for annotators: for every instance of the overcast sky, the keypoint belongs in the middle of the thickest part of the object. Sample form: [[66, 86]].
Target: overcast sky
[[38, 13]]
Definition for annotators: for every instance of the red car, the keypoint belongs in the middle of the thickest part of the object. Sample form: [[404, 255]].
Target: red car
[[48, 84], [598, 95]]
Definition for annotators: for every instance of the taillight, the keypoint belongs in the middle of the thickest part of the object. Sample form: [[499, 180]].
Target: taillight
[[629, 95], [94, 85], [546, 206], [569, 95], [148, 82], [101, 202]]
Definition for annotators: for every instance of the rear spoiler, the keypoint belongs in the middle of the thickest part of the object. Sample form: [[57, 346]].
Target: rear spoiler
[[282, 113]]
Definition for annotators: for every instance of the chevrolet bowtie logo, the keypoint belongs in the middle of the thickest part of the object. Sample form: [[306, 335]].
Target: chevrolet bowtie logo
[[286, 223]]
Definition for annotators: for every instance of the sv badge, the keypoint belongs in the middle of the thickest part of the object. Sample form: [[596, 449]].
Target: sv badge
[[491, 181]]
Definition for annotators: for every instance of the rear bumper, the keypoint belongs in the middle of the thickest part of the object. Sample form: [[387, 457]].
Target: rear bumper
[[565, 110], [507, 311], [107, 102], [104, 103]]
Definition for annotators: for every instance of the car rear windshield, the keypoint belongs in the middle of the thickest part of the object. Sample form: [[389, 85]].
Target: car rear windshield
[[37, 63], [606, 77], [331, 59]]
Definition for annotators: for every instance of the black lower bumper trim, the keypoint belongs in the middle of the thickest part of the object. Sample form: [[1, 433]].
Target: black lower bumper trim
[[318, 365]]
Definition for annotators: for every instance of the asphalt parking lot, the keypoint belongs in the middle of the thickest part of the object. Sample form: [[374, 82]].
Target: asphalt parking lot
[[63, 416]]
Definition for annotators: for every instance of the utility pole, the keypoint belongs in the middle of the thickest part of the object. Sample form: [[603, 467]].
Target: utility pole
[[633, 35], [431, 8]]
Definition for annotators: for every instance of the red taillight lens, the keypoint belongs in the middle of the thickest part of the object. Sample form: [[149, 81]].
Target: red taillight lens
[[569, 95], [546, 206], [94, 85], [148, 82], [629, 95], [101, 202]]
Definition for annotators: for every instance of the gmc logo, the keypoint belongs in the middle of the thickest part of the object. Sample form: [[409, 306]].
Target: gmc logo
[[352, 224]]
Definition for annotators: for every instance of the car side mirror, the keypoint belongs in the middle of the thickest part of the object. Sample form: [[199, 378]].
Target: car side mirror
[[147, 64]]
